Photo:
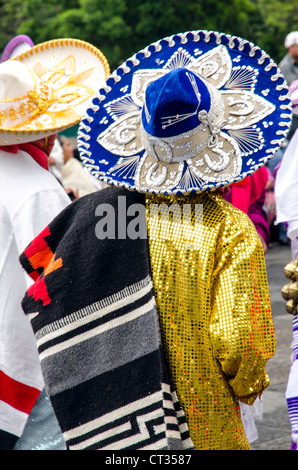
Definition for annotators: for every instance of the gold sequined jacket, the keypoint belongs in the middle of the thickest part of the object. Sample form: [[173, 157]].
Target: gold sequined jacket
[[212, 295]]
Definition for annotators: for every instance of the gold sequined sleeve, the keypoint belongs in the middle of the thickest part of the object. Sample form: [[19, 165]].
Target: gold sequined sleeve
[[242, 330]]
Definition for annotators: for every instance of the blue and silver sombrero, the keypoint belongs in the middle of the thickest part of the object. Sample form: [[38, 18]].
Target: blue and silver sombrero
[[189, 113]]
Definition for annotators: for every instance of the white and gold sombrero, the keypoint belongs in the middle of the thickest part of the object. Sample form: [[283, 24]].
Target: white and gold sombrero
[[47, 88]]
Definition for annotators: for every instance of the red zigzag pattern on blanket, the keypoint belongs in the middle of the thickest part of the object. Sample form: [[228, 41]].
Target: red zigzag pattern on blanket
[[43, 262]]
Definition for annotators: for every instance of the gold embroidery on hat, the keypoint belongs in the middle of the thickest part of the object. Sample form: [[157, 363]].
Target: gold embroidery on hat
[[41, 99], [31, 108]]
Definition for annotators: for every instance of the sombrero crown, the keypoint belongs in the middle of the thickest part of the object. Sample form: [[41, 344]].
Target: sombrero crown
[[47, 88], [190, 113]]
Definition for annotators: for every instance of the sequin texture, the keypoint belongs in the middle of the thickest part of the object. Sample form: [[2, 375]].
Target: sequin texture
[[212, 295]]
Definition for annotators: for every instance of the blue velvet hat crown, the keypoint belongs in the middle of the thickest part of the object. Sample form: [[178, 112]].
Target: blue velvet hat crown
[[190, 113], [173, 102]]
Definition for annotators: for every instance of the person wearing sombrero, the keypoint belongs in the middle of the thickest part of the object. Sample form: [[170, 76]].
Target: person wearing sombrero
[[286, 182], [286, 190], [43, 89], [158, 320]]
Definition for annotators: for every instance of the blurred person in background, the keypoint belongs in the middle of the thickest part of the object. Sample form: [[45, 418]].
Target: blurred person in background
[[75, 179], [289, 68], [286, 194]]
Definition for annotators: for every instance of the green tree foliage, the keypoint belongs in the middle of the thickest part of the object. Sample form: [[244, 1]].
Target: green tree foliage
[[122, 27], [152, 20], [277, 19], [11, 16]]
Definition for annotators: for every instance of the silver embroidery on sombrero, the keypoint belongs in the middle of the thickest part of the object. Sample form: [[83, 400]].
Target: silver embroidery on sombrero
[[121, 106], [243, 108], [249, 140], [243, 77], [125, 167], [223, 158], [123, 137], [213, 151], [151, 173]]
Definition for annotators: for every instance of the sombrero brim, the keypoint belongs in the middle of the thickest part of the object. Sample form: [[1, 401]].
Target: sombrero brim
[[91, 69], [110, 152]]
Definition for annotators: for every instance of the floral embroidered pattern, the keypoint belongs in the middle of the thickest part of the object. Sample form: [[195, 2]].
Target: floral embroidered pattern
[[51, 84], [56, 92]]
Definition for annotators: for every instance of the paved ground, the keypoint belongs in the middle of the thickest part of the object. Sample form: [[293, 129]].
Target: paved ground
[[274, 428]]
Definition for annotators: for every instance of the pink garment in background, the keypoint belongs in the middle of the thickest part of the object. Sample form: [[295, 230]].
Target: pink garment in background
[[249, 196]]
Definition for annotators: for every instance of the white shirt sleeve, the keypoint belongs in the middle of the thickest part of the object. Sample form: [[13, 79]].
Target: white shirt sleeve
[[286, 185]]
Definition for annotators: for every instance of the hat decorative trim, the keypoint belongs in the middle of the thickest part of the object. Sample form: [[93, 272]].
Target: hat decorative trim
[[58, 77], [15, 46], [249, 117]]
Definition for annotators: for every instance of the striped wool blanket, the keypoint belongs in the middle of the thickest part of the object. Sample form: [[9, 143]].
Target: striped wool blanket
[[93, 313]]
